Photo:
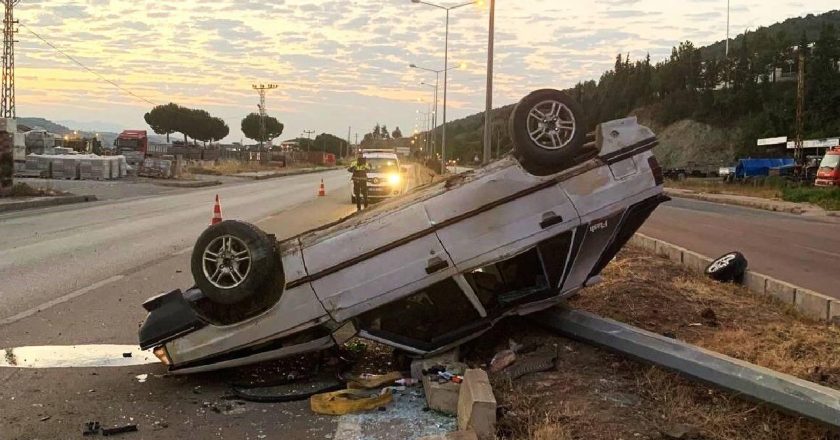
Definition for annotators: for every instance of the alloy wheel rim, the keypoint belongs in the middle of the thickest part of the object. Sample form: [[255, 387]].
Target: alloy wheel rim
[[551, 125], [226, 262]]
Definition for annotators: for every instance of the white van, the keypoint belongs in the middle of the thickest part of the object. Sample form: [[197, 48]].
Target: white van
[[386, 178]]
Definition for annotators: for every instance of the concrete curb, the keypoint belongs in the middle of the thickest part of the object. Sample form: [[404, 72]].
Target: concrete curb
[[192, 184], [766, 206], [45, 202], [811, 304]]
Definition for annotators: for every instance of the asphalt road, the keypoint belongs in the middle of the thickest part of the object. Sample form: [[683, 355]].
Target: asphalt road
[[78, 275], [801, 250], [49, 253]]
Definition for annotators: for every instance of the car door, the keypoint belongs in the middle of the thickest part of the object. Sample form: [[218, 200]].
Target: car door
[[500, 214], [375, 260]]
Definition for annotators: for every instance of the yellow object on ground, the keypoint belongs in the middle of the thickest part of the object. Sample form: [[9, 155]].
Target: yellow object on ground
[[370, 381], [349, 401]]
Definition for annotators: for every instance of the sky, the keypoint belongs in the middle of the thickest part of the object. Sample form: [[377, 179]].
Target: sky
[[338, 64]]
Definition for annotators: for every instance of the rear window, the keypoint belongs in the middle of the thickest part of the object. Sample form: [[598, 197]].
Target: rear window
[[830, 161]]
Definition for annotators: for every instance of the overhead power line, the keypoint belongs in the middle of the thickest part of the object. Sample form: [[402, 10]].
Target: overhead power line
[[88, 69]]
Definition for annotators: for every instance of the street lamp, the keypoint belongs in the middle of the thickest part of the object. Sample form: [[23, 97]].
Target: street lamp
[[437, 87], [489, 108], [445, 69], [433, 141]]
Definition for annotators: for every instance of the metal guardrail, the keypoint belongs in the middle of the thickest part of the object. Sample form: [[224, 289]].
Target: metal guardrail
[[780, 390]]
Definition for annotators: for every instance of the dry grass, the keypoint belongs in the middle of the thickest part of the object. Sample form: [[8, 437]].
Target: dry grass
[[594, 394], [717, 186], [657, 295]]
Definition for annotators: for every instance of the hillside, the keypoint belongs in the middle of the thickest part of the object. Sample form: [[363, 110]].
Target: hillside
[[707, 108]]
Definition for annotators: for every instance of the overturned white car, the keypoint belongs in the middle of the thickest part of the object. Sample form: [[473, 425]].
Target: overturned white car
[[431, 269]]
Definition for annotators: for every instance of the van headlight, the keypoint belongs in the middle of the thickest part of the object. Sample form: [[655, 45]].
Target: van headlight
[[394, 179]]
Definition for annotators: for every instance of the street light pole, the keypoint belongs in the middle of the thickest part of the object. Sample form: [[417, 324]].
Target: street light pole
[[433, 128], [445, 72], [489, 106]]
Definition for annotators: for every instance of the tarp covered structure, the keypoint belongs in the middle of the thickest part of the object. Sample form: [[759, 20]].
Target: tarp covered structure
[[760, 167]]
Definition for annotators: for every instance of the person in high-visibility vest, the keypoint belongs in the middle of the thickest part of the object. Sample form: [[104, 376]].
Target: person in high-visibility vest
[[360, 168]]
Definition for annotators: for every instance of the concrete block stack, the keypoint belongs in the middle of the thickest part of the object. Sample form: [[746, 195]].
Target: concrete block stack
[[157, 168], [65, 167], [37, 166]]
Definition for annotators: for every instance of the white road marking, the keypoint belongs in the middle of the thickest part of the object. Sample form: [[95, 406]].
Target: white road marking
[[60, 300]]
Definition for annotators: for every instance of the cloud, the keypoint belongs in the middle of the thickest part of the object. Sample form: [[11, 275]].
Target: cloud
[[338, 63]]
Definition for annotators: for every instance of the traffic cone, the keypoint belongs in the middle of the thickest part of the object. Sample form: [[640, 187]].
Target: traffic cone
[[322, 192], [217, 212]]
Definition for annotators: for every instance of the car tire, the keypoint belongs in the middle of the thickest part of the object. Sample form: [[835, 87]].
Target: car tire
[[728, 268], [352, 200], [548, 131], [233, 261]]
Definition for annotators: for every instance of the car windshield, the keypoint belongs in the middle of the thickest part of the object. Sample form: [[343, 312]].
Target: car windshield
[[830, 161], [382, 165]]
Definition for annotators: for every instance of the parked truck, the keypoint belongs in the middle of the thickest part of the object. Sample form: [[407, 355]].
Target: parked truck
[[133, 144], [829, 172]]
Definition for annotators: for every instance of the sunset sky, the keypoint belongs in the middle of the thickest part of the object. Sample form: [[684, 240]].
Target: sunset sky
[[338, 64]]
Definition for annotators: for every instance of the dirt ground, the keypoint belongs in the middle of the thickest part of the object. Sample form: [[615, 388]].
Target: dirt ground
[[594, 394]]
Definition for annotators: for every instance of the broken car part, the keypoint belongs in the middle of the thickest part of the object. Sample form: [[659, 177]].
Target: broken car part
[[427, 271], [119, 430]]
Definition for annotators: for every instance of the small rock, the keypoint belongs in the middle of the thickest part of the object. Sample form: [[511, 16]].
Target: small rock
[[680, 432]]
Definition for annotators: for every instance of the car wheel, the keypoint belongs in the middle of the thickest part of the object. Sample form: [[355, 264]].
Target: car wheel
[[728, 268], [232, 261], [548, 131]]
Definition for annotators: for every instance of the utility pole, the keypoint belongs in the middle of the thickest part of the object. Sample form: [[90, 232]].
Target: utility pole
[[308, 134], [7, 138], [9, 32], [349, 129], [488, 111], [262, 89], [800, 108]]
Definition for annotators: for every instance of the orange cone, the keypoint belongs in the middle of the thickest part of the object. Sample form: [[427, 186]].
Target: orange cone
[[322, 192], [217, 212]]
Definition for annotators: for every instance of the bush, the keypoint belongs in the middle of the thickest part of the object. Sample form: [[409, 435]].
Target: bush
[[826, 198]]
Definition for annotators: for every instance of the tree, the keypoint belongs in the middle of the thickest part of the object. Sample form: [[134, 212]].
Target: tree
[[251, 127], [329, 143], [163, 119], [218, 129], [397, 134], [383, 133]]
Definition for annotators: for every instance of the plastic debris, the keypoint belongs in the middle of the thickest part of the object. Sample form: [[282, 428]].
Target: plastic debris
[[349, 401]]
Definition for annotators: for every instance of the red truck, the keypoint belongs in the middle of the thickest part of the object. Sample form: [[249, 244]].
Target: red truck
[[829, 171], [133, 144]]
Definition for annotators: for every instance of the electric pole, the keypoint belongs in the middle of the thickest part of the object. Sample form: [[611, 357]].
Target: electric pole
[[308, 134], [349, 129], [7, 139], [800, 108], [262, 89]]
